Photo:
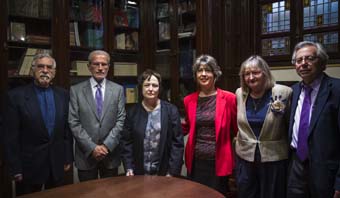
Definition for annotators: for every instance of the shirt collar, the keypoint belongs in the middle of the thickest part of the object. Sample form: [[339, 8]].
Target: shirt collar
[[94, 83], [316, 83], [40, 89]]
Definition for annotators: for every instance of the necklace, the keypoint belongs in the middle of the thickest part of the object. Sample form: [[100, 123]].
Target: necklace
[[256, 103]]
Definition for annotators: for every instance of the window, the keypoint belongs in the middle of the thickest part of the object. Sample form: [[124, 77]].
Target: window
[[284, 23]]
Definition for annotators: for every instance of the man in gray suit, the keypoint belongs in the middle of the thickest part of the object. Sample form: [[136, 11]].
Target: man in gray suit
[[96, 118]]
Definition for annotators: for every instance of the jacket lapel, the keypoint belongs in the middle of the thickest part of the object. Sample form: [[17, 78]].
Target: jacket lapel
[[87, 91], [163, 132], [320, 102], [192, 106], [108, 95], [220, 109], [295, 98], [243, 111], [58, 109]]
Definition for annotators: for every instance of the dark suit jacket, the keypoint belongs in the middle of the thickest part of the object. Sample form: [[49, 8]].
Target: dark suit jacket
[[171, 140], [324, 136], [29, 148]]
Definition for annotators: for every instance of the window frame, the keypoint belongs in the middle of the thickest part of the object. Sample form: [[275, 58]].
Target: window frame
[[295, 34]]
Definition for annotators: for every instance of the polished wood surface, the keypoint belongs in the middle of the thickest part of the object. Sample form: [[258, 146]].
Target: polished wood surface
[[131, 187]]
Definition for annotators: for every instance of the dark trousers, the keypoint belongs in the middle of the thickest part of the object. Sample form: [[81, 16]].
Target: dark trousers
[[261, 179], [310, 180], [85, 175], [298, 178], [25, 187], [204, 172]]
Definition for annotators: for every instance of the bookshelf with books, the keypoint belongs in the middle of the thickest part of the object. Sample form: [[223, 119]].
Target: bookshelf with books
[[175, 24], [28, 31], [87, 24], [125, 45], [126, 25], [186, 24]]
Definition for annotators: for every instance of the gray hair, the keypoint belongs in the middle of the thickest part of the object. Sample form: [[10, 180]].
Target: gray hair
[[99, 52], [256, 61], [320, 52], [41, 56], [210, 61]]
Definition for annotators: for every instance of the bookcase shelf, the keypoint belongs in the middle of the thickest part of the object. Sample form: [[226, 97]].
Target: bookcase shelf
[[23, 44], [175, 49]]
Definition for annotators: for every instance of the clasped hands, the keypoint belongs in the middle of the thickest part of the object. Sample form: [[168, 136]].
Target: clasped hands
[[100, 152]]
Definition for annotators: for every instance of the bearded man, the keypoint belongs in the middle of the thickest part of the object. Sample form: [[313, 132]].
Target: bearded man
[[38, 142]]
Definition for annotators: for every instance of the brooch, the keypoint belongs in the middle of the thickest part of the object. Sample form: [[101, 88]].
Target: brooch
[[277, 104]]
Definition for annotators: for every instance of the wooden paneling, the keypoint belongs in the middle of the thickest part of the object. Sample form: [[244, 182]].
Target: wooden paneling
[[5, 185], [60, 46], [225, 30]]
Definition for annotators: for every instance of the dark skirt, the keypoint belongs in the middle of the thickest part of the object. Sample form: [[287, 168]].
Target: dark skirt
[[203, 172]]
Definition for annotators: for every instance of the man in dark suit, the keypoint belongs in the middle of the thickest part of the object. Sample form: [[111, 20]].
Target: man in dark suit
[[96, 118], [314, 132], [38, 143]]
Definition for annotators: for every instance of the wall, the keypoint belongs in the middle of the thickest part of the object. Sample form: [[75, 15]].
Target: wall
[[289, 74]]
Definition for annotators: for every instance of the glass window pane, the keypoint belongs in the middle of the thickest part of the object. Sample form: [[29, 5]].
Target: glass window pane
[[275, 17], [275, 46], [324, 14], [330, 40]]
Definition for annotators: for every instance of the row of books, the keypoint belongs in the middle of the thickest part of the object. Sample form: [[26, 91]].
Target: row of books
[[127, 18], [186, 6], [26, 60], [90, 11], [31, 8], [126, 41], [80, 68], [17, 32], [183, 31]]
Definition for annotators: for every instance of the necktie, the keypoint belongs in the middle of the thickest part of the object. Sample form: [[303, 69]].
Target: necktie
[[302, 145], [99, 100]]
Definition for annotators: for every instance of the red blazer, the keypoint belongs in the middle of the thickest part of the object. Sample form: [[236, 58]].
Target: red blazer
[[225, 121]]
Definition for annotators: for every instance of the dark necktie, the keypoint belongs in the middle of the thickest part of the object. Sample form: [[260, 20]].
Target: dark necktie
[[99, 100], [302, 145]]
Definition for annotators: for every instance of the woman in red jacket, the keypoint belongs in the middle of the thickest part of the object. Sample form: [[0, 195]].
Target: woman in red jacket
[[211, 123]]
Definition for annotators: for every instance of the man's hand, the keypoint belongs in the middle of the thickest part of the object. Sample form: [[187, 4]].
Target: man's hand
[[129, 172], [18, 177], [99, 152], [67, 167], [336, 194]]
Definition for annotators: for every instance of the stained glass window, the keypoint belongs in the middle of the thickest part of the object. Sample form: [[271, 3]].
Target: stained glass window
[[276, 17], [275, 46], [320, 13], [283, 20], [330, 40]]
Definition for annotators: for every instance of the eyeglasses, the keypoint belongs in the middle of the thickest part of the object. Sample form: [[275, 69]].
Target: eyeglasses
[[254, 73], [42, 66], [308, 59], [96, 64]]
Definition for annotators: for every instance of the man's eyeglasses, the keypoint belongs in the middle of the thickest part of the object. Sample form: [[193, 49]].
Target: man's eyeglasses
[[96, 64], [42, 66], [308, 59]]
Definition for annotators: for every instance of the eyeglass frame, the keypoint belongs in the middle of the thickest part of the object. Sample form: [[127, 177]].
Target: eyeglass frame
[[308, 59]]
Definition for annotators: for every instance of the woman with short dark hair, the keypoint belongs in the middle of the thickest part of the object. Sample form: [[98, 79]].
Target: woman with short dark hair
[[152, 139]]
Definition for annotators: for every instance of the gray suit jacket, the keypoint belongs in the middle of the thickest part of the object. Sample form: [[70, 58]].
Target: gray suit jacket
[[272, 140], [89, 130]]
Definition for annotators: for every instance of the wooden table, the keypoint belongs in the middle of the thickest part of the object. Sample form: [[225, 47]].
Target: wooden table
[[131, 187]]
